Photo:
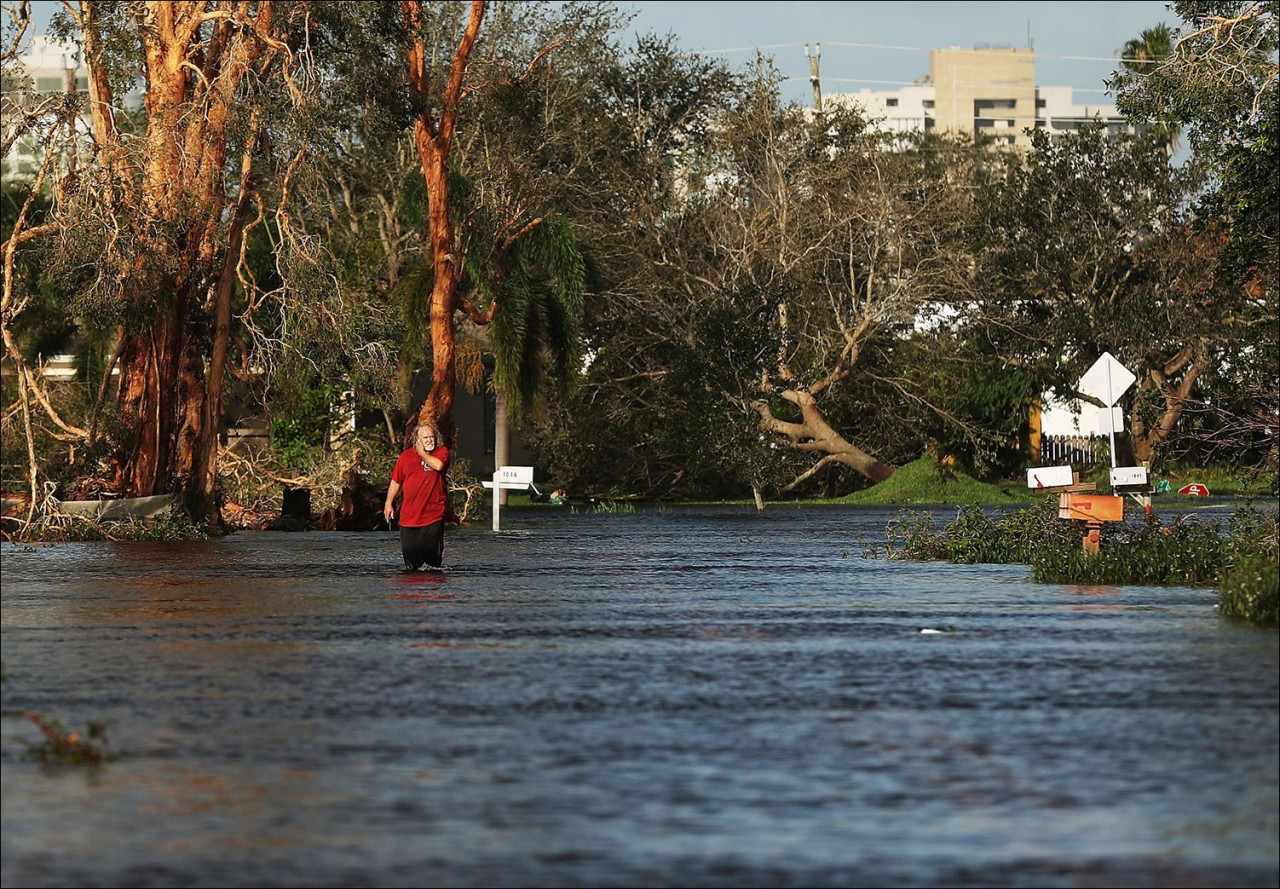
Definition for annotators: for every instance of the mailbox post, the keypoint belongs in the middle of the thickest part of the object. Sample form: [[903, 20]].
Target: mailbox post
[[511, 478], [1077, 501], [1093, 509]]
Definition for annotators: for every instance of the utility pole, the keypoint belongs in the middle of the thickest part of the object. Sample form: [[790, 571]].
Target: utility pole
[[813, 73]]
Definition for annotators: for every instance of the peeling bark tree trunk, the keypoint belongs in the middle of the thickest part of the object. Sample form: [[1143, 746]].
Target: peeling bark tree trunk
[[433, 136], [445, 271], [179, 269]]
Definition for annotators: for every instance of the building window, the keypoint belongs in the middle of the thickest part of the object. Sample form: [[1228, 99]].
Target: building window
[[891, 103], [928, 103]]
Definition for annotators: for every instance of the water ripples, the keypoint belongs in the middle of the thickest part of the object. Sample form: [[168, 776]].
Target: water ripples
[[699, 697]]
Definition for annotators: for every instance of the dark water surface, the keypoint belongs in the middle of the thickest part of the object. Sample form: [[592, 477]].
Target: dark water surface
[[690, 697]]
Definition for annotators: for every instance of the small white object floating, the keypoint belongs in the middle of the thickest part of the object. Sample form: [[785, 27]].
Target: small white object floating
[[930, 631]]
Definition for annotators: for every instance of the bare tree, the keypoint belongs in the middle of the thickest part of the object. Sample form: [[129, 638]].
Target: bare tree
[[851, 238]]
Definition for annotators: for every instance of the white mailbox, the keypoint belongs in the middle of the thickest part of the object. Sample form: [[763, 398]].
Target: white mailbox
[[516, 476], [508, 478], [1050, 477], [1129, 477]]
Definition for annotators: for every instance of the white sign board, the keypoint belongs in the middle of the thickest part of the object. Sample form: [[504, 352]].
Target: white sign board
[[1110, 419], [1107, 380], [1128, 475], [1050, 477]]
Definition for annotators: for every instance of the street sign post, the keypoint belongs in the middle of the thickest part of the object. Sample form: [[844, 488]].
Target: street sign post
[[1107, 380]]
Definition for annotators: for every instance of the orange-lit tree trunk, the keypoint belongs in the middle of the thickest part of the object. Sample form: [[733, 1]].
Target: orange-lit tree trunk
[[176, 277], [433, 131]]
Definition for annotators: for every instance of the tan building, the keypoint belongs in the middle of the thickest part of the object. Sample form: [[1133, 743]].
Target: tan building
[[986, 91]]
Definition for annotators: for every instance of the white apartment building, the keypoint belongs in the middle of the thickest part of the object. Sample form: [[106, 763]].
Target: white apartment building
[[986, 91], [48, 67]]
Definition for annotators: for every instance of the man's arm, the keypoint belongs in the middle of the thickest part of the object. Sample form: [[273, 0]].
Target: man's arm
[[434, 462], [389, 508]]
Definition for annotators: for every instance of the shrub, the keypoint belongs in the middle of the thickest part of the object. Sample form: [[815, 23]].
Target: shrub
[[1008, 537], [912, 536], [1250, 591], [1186, 553]]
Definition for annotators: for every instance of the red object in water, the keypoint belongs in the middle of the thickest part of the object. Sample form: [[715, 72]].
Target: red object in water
[[1194, 490]]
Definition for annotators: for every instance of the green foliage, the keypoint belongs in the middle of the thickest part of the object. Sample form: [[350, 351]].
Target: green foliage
[[47, 325], [1220, 87], [1250, 591], [985, 403], [536, 334], [59, 465], [303, 425], [60, 747], [977, 535], [912, 535], [172, 525], [1241, 561], [613, 507], [1186, 553], [1009, 536], [711, 375]]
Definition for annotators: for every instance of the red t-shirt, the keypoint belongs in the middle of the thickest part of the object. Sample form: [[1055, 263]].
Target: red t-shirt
[[424, 489]]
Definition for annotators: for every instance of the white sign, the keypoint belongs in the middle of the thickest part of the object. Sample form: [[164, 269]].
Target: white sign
[[1124, 476], [1107, 380], [1050, 477], [1110, 419]]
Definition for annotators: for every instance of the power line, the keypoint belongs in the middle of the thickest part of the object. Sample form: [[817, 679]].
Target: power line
[[919, 49]]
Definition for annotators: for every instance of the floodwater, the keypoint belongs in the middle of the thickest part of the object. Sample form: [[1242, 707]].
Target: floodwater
[[684, 697]]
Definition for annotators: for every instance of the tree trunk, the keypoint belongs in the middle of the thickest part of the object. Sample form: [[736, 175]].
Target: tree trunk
[[1145, 439], [150, 392], [433, 136], [170, 402], [438, 407], [813, 434]]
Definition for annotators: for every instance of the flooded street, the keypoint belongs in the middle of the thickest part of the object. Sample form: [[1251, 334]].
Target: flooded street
[[682, 697]]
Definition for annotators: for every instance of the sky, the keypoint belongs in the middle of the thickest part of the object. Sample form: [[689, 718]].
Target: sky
[[885, 45]]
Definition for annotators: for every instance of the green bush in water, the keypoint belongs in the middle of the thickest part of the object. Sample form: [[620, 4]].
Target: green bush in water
[[1006, 537], [913, 536], [1185, 553], [1250, 591]]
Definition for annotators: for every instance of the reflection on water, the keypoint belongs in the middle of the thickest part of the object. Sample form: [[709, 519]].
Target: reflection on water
[[695, 697]]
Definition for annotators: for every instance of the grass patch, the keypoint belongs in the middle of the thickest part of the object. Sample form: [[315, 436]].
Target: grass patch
[[922, 481]]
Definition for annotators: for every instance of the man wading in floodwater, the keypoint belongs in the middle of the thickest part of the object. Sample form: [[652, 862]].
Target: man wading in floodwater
[[420, 474]]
